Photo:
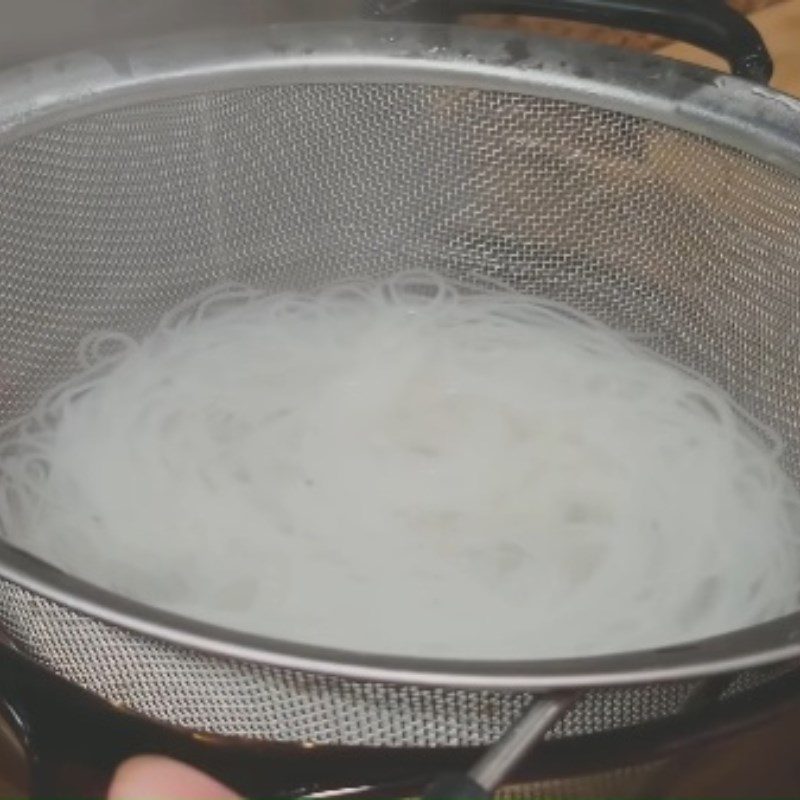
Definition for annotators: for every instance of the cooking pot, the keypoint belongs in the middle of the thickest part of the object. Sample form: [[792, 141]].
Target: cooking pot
[[339, 139]]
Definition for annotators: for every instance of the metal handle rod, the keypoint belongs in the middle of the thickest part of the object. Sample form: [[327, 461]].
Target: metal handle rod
[[501, 758]]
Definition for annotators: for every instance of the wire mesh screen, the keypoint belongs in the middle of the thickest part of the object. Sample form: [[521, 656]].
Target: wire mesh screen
[[110, 220], [231, 698]]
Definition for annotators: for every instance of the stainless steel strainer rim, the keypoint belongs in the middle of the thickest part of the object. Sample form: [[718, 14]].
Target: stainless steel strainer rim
[[757, 646], [730, 111]]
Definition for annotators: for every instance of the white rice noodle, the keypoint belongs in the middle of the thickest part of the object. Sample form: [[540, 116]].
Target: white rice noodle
[[407, 467]]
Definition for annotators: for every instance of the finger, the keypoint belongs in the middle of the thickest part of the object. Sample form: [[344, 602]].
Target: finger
[[157, 778]]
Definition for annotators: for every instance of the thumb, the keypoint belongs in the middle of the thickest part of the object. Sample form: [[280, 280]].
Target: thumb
[[157, 778]]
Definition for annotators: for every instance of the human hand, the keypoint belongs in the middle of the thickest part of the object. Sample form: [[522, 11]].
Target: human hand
[[158, 778]]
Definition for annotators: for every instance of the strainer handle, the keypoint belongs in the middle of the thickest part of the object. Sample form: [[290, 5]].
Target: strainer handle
[[710, 24], [488, 773]]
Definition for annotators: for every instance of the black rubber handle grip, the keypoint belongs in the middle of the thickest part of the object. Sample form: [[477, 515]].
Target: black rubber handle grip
[[710, 24]]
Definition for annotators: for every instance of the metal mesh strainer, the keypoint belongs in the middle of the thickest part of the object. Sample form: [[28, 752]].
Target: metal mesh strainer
[[291, 158]]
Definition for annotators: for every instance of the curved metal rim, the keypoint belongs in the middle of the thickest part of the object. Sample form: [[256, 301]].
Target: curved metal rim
[[731, 111], [757, 646], [750, 117]]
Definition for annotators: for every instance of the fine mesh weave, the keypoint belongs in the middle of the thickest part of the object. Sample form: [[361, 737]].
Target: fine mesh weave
[[109, 221], [232, 698]]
